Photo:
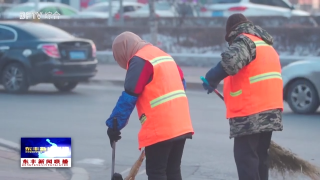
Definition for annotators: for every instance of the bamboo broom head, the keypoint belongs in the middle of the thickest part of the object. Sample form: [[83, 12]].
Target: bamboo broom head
[[284, 161]]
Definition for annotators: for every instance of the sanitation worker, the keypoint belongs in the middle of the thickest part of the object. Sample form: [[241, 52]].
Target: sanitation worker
[[156, 86], [252, 92]]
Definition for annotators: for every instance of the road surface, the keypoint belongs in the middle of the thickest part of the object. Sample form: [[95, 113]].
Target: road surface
[[82, 114]]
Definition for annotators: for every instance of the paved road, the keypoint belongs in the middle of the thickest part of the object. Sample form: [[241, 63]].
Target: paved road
[[81, 115], [10, 169]]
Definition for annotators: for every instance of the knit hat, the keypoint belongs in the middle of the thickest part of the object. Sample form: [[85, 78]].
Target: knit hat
[[234, 21]]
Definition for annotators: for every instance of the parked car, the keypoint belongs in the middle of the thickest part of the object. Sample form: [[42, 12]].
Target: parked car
[[33, 53], [4, 6], [162, 9], [87, 3], [225, 8], [301, 82], [101, 10], [64, 11]]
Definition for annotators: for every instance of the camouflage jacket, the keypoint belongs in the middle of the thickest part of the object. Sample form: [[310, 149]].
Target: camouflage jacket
[[241, 52]]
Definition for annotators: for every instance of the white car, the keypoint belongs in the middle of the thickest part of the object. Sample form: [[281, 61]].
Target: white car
[[101, 10], [64, 11], [225, 8], [301, 85], [162, 9]]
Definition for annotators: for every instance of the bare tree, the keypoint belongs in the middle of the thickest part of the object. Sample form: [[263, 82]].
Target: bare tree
[[153, 23], [183, 8]]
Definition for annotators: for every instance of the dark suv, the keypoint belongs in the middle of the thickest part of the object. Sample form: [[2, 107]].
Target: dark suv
[[33, 53]]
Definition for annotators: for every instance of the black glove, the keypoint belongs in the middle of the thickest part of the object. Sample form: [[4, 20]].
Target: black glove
[[114, 133], [117, 176], [208, 88]]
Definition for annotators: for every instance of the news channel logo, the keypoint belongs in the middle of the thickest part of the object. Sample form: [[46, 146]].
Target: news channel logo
[[45, 152], [39, 15]]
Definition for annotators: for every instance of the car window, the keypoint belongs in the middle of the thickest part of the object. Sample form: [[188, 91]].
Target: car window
[[137, 7], [259, 2], [128, 8], [67, 11], [45, 31], [97, 9], [157, 6], [47, 10], [21, 8], [277, 3], [6, 35]]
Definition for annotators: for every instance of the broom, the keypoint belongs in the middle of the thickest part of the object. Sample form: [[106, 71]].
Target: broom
[[282, 160], [135, 168]]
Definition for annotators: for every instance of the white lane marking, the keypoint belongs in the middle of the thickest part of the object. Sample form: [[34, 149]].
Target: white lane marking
[[142, 172], [91, 161], [125, 171]]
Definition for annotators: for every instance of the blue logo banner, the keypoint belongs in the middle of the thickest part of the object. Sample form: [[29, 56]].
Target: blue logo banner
[[46, 147]]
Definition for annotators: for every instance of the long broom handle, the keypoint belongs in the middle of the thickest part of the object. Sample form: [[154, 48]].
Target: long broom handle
[[113, 158], [115, 125], [215, 90]]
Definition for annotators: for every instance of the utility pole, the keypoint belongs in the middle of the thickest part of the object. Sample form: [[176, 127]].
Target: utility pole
[[121, 13], [110, 18], [153, 23]]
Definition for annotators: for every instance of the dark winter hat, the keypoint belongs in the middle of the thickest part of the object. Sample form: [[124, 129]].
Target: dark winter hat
[[234, 21]]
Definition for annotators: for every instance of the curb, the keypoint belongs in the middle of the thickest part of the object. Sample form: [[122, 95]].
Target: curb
[[77, 173], [10, 145], [190, 85]]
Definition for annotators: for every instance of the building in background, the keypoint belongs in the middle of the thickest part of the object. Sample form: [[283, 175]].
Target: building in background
[[307, 5]]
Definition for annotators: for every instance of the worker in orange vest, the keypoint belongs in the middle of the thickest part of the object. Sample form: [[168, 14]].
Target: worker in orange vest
[[252, 92], [156, 86]]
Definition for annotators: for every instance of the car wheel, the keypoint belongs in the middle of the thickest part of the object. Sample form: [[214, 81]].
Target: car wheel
[[302, 97], [65, 86], [14, 78]]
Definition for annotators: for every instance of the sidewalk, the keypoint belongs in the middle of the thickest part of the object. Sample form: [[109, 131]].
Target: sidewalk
[[115, 75], [10, 169]]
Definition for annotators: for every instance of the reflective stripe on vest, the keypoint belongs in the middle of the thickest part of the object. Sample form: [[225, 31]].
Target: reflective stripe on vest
[[160, 59], [257, 78], [261, 43], [264, 76], [167, 97], [237, 93]]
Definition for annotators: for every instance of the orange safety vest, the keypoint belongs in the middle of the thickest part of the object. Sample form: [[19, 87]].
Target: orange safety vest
[[162, 107], [258, 86]]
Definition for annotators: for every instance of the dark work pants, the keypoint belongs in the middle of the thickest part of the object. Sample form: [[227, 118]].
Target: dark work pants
[[251, 156], [163, 160]]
